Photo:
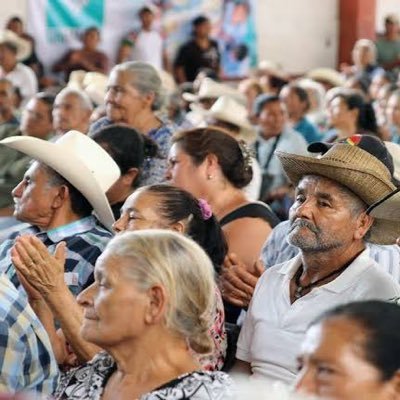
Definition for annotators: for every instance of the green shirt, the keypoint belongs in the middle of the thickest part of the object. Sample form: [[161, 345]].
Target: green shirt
[[387, 50]]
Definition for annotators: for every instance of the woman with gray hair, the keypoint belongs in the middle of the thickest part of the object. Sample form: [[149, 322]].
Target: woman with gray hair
[[146, 309], [364, 58], [134, 95]]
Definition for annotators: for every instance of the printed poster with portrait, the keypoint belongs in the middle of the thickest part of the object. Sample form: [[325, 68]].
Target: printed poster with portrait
[[57, 25]]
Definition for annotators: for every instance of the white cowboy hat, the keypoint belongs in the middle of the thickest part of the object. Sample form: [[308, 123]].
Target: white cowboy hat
[[78, 159], [24, 48], [274, 69], [326, 75], [95, 86], [228, 110], [210, 89]]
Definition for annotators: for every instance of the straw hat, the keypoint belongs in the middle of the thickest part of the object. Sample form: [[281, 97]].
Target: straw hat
[[94, 84], [78, 159], [228, 110], [24, 48], [274, 69], [388, 208], [355, 168], [394, 150], [326, 75], [210, 89]]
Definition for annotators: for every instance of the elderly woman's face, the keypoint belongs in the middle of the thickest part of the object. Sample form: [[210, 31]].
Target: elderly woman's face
[[139, 212], [333, 364], [123, 102], [104, 324]]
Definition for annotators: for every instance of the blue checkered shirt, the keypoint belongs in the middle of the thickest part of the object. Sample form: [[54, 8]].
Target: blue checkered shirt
[[85, 239], [27, 362]]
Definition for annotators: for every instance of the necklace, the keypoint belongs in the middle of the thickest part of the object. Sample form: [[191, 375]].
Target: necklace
[[300, 288]]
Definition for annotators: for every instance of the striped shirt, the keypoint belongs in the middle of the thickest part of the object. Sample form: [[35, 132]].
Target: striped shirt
[[27, 362], [277, 250], [85, 241]]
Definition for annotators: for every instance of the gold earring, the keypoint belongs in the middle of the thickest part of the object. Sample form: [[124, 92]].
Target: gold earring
[[209, 177]]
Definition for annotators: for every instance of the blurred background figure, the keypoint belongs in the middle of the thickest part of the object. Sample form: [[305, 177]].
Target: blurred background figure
[[14, 49], [145, 44], [199, 52], [88, 58]]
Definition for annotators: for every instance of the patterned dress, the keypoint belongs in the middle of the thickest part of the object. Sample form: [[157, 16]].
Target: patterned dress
[[88, 382]]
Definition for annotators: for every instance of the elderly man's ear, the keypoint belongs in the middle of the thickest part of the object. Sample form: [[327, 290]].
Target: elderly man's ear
[[61, 197], [364, 223]]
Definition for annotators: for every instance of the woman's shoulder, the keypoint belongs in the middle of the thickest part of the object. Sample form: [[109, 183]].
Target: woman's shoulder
[[255, 209], [200, 385], [86, 381]]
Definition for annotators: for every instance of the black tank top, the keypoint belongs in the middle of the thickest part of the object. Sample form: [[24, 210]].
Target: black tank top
[[255, 209]]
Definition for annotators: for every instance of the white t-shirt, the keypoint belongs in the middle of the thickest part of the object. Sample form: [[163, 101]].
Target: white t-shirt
[[24, 79], [274, 329], [252, 190], [148, 47]]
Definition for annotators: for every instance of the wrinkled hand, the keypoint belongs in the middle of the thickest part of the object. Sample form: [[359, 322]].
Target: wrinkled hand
[[39, 268], [33, 294], [237, 282]]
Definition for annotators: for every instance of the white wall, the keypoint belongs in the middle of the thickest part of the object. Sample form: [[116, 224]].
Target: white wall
[[299, 34], [9, 8], [384, 7]]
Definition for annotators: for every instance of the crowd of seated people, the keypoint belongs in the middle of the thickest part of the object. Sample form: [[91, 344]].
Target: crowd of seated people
[[251, 234]]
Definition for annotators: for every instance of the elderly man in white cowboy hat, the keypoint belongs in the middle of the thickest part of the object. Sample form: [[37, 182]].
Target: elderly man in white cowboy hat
[[330, 225], [14, 49], [57, 196]]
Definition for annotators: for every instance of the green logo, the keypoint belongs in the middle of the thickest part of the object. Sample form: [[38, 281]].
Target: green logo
[[74, 13]]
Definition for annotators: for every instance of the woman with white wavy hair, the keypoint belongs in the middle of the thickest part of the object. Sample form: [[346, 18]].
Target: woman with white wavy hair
[[151, 301]]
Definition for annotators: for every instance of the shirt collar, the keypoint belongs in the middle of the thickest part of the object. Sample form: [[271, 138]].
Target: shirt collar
[[61, 232], [339, 284]]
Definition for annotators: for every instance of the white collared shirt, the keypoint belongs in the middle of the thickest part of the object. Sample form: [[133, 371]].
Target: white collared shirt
[[274, 328]]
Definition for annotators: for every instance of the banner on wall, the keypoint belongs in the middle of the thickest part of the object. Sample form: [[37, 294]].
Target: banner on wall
[[57, 25]]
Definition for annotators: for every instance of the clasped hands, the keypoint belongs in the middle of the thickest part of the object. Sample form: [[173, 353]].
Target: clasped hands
[[40, 272], [237, 282]]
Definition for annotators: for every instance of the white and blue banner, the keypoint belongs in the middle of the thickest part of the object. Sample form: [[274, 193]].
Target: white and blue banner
[[56, 26]]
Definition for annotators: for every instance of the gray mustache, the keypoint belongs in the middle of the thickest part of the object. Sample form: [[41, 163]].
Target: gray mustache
[[302, 223]]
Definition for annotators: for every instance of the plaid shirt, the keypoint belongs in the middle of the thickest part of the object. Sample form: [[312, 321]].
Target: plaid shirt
[[85, 239], [27, 362]]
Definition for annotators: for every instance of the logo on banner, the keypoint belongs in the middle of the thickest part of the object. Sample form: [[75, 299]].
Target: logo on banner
[[66, 18]]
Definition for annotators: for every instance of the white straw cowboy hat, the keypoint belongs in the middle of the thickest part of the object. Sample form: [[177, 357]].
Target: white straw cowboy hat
[[326, 75], [79, 160], [210, 89], [353, 167], [23, 47], [228, 110], [272, 68], [389, 207], [394, 150], [94, 84]]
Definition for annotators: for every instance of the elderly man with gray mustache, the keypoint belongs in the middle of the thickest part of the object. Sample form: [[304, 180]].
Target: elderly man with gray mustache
[[330, 225]]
